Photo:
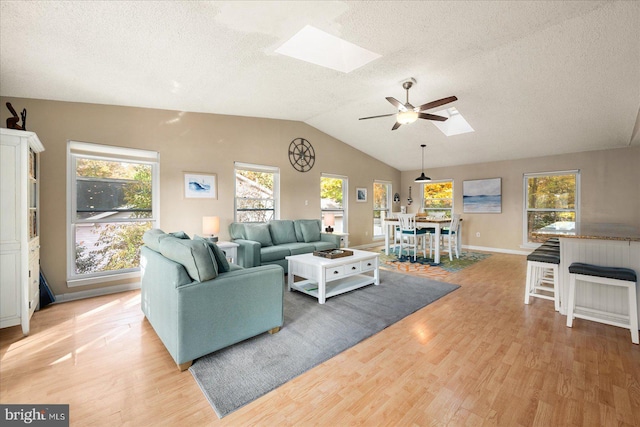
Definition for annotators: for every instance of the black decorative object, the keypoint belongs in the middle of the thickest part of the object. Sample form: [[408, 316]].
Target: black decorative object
[[396, 198], [409, 200], [301, 155], [12, 122]]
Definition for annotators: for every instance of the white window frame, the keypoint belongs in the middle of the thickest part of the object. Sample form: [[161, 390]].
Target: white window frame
[[258, 168], [525, 202], [453, 196], [88, 150], [388, 210], [345, 200]]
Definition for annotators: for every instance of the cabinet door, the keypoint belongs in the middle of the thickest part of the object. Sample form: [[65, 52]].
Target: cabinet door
[[9, 289]]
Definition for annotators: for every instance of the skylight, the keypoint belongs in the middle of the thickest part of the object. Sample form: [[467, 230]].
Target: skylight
[[456, 123], [317, 47]]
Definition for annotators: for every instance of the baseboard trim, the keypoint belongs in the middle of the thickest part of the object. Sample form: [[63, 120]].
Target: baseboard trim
[[73, 296]]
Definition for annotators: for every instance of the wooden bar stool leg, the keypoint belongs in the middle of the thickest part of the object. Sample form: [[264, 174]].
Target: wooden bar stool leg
[[572, 299]]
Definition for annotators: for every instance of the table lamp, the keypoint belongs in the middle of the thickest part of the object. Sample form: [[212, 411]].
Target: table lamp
[[211, 226], [329, 221]]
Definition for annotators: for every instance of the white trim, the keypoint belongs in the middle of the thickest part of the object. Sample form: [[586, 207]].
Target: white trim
[[102, 278], [91, 293], [89, 149]]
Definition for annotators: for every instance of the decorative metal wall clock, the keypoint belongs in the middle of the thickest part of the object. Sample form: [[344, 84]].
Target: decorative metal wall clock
[[301, 155]]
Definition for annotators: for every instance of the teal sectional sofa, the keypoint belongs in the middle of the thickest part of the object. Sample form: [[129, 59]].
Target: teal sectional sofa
[[199, 303], [269, 243]]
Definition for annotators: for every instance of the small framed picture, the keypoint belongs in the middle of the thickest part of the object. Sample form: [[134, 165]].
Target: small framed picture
[[200, 185], [361, 194]]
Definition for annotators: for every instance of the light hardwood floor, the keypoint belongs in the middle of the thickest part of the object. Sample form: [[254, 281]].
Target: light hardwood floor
[[478, 356]]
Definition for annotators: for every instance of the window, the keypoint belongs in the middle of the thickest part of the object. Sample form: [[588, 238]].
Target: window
[[437, 196], [257, 193], [333, 203], [381, 205], [551, 200], [113, 199]]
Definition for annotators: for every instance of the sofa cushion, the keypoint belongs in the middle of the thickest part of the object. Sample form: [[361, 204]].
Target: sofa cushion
[[236, 230], [298, 248], [152, 238], [195, 255], [273, 253], [258, 233], [297, 224], [180, 235], [320, 246], [282, 231], [221, 257], [310, 231]]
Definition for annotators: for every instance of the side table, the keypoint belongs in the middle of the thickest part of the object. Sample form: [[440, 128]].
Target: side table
[[230, 249]]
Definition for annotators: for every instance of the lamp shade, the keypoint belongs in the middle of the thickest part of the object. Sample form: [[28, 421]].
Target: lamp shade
[[210, 225], [423, 178], [329, 219]]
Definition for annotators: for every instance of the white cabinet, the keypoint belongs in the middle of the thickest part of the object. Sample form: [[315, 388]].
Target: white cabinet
[[19, 227]]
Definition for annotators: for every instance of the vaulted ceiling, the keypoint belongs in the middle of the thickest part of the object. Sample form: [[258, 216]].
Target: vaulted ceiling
[[533, 78]]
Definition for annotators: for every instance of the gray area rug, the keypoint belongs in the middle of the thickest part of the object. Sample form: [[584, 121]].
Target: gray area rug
[[312, 333]]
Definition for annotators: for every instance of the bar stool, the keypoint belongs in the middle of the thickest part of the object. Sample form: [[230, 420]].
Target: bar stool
[[611, 276], [542, 277]]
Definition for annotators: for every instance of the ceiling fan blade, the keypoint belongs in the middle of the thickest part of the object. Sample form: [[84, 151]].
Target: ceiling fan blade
[[439, 102], [408, 106], [396, 104], [375, 117], [432, 117], [396, 126]]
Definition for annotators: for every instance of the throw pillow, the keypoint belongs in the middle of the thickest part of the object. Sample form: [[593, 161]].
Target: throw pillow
[[282, 231], [221, 257], [310, 232], [180, 235], [259, 233], [195, 255], [152, 238]]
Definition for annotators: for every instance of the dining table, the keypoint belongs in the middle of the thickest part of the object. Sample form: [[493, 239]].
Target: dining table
[[437, 223]]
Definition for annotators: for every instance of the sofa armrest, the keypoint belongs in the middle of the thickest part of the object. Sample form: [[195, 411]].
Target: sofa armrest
[[248, 253], [330, 237], [234, 306]]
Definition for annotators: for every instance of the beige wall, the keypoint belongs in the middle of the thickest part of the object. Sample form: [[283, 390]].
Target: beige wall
[[197, 143], [609, 190]]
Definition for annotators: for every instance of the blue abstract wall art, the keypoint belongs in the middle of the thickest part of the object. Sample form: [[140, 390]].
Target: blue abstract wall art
[[482, 196]]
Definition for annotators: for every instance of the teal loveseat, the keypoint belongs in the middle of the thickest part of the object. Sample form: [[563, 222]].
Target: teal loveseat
[[199, 303], [269, 243]]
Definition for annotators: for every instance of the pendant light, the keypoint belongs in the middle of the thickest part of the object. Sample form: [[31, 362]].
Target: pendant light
[[423, 177]]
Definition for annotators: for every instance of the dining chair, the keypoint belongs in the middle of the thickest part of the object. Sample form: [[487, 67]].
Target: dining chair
[[450, 234], [413, 235]]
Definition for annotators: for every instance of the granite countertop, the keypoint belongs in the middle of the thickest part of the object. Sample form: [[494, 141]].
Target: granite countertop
[[600, 231]]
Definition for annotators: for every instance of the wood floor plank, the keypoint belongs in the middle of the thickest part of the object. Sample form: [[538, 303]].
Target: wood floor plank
[[477, 357]]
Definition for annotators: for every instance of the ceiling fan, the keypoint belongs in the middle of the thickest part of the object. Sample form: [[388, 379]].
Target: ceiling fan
[[407, 113]]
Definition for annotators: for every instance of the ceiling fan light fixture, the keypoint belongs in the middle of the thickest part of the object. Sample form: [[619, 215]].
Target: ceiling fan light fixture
[[407, 117], [422, 177]]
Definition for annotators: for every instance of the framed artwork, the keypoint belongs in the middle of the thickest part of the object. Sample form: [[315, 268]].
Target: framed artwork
[[361, 194], [200, 185], [482, 196]]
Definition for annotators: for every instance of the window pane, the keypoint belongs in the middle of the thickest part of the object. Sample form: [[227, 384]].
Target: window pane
[[538, 220], [438, 196], [113, 190], [551, 192], [331, 193], [108, 246], [255, 200]]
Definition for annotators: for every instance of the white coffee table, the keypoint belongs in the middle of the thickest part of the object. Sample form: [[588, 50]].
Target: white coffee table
[[325, 277]]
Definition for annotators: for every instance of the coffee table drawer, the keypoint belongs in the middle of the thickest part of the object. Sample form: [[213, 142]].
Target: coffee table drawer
[[368, 265], [333, 272], [352, 268]]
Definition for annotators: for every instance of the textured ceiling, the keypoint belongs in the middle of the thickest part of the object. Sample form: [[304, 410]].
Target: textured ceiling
[[533, 78]]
